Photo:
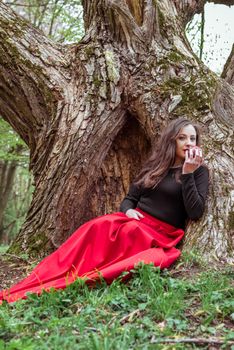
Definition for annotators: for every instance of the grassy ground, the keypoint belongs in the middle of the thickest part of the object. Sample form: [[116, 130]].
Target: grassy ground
[[187, 307]]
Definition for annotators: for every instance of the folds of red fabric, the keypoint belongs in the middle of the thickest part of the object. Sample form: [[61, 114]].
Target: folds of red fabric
[[106, 246]]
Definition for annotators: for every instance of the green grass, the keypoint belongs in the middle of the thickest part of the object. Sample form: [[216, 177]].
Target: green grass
[[150, 307]]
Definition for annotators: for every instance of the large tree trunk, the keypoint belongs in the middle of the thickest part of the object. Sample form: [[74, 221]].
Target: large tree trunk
[[91, 112]]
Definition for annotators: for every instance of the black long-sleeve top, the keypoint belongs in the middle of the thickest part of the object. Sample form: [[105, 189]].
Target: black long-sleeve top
[[171, 201]]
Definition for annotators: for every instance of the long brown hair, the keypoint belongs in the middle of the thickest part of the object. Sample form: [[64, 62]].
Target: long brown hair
[[163, 155]]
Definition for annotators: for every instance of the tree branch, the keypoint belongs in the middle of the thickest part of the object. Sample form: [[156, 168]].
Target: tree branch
[[188, 8], [222, 2], [121, 18], [33, 75], [228, 70], [128, 22]]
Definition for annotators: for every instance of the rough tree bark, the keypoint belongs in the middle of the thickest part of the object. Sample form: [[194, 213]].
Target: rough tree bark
[[91, 112], [228, 71]]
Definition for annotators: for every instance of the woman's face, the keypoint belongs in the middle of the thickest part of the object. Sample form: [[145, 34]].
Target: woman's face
[[185, 140]]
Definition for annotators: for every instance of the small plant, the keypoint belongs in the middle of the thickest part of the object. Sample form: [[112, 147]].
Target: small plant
[[191, 258]]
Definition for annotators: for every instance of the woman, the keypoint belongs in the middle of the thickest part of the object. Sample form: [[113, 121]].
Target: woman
[[170, 189]]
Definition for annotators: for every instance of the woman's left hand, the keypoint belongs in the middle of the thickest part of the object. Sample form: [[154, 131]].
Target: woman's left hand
[[193, 159]]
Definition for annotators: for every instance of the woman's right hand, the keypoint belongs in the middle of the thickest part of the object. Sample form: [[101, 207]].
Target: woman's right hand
[[134, 214]]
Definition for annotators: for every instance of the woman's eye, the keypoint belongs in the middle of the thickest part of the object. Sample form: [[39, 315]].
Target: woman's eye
[[182, 138]]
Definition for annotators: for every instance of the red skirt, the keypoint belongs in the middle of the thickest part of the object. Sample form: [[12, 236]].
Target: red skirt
[[107, 245]]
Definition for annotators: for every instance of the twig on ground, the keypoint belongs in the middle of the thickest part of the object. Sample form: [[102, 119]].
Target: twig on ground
[[211, 340], [15, 256], [129, 317], [176, 272]]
